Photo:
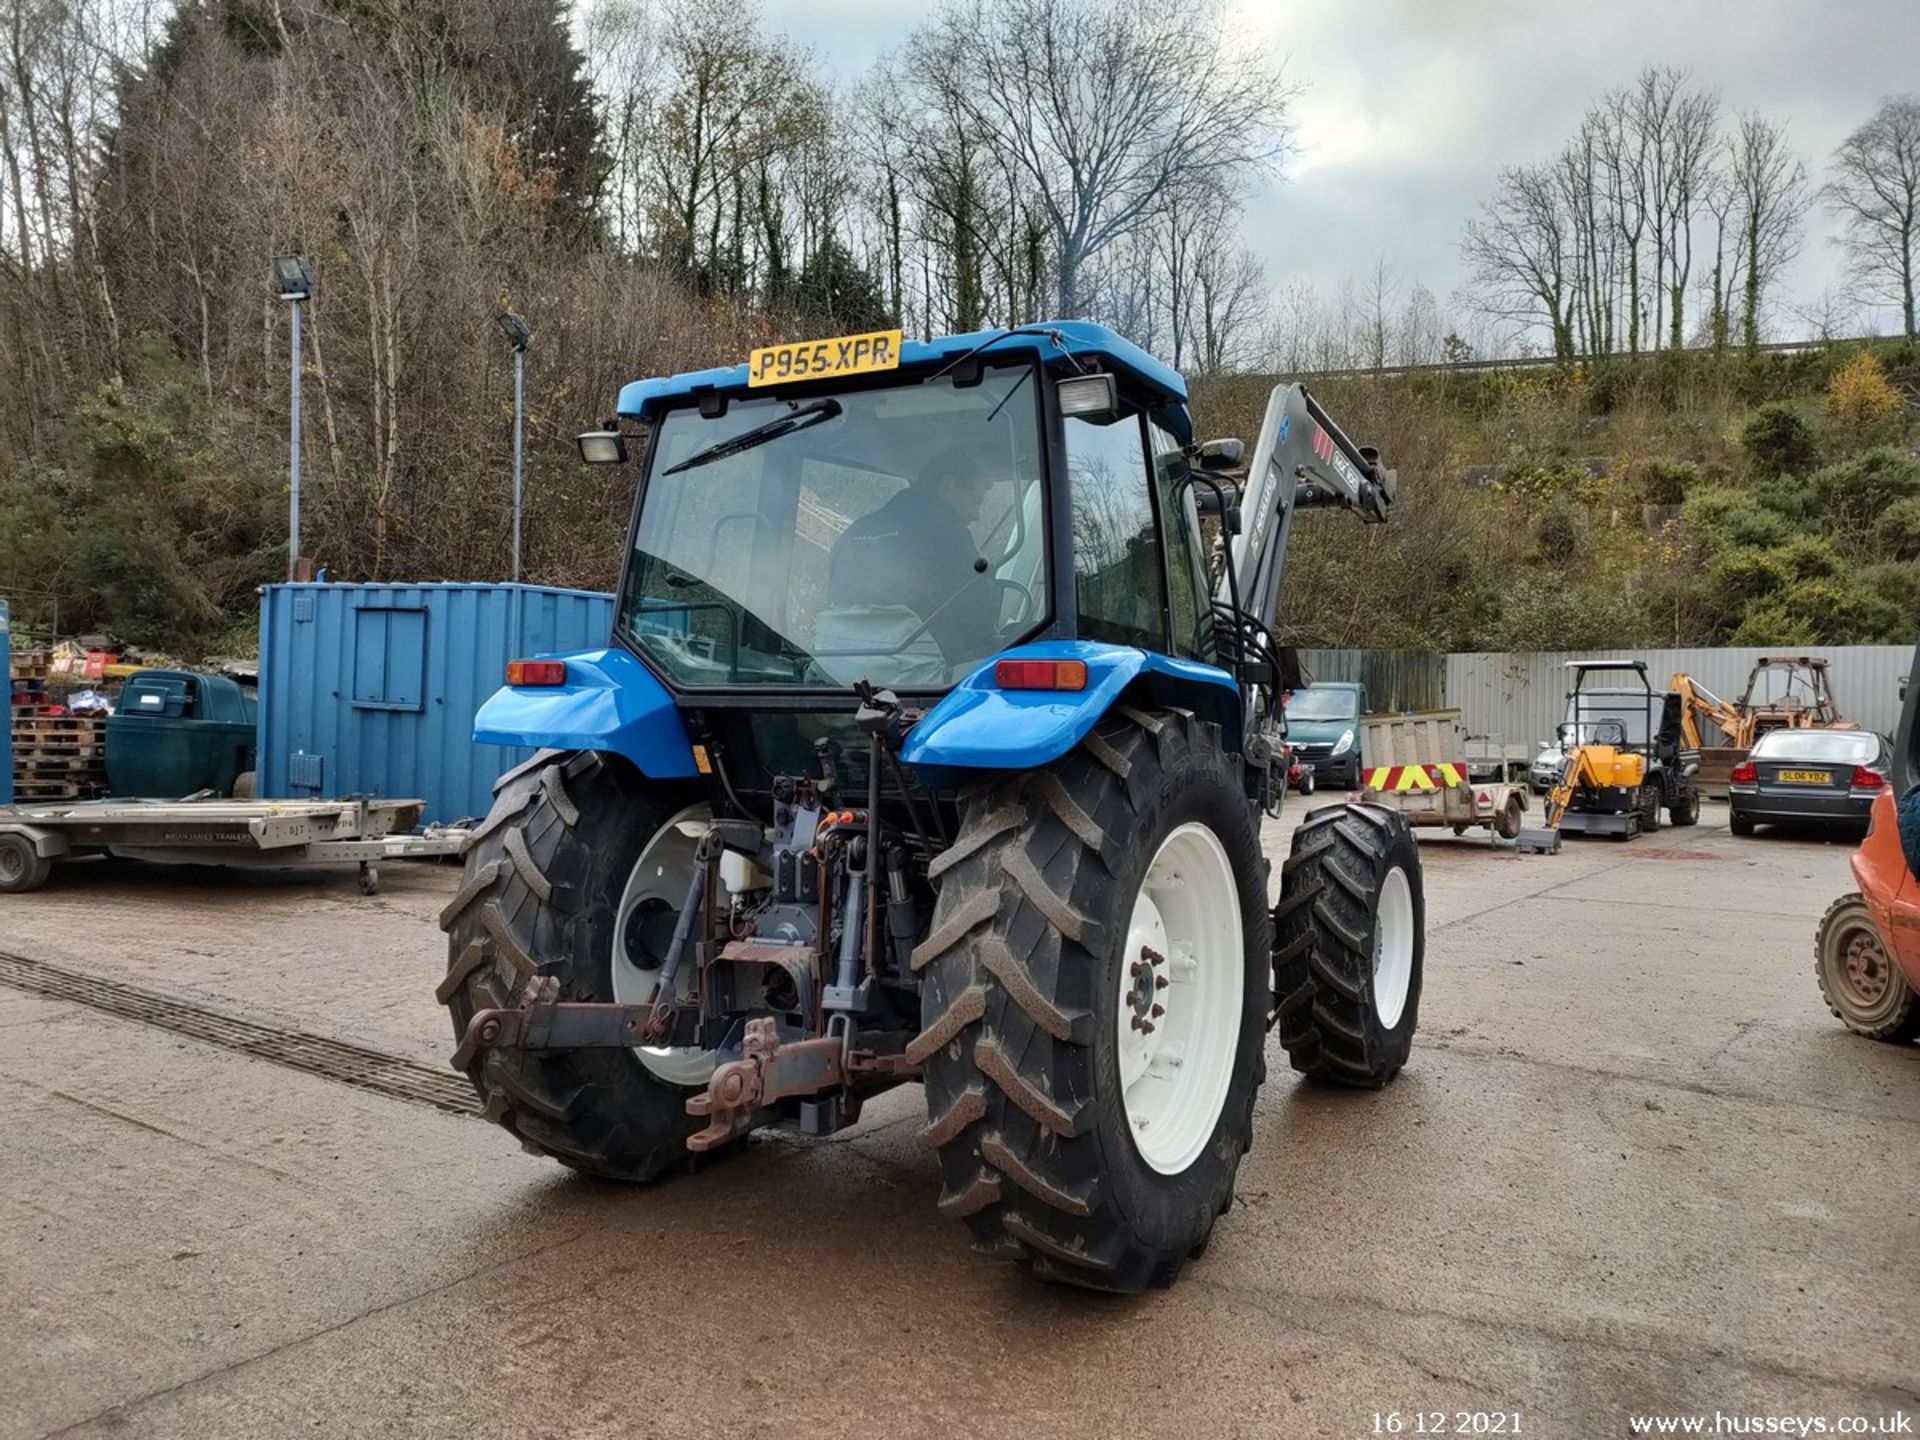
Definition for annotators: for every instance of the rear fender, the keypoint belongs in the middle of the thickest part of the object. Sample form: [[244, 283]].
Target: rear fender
[[979, 726], [610, 702]]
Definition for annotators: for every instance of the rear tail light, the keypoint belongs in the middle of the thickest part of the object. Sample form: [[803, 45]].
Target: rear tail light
[[1744, 773], [1040, 674], [536, 672], [1865, 779]]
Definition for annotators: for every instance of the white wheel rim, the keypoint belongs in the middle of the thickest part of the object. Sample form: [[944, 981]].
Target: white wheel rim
[[1182, 978], [661, 873], [1393, 948]]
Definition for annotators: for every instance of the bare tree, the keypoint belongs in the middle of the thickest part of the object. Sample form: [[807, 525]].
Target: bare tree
[[1771, 185], [1103, 109], [1382, 293], [1518, 252], [1875, 190], [1687, 163]]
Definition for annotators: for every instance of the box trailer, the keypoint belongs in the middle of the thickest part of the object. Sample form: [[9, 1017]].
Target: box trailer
[[1418, 764]]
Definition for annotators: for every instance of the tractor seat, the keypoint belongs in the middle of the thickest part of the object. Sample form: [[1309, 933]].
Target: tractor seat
[[871, 642]]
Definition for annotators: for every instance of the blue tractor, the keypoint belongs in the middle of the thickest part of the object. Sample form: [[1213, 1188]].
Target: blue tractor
[[932, 744]]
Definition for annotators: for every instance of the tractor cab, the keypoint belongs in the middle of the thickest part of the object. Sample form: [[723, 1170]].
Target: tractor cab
[[881, 510], [906, 517]]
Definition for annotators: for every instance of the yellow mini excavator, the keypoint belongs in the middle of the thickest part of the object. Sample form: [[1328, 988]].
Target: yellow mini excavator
[[1625, 759]]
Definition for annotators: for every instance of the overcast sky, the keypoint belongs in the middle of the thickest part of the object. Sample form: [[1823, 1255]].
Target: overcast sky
[[1410, 107]]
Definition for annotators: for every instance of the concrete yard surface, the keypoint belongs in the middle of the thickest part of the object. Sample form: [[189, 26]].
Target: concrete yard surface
[[1633, 1169]]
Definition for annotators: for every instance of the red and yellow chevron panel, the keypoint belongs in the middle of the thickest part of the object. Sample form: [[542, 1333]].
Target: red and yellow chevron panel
[[1396, 779]]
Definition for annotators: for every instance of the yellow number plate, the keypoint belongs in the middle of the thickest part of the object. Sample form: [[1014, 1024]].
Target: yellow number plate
[[1807, 777], [819, 359]]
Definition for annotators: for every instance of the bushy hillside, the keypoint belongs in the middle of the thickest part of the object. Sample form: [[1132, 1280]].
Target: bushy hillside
[[1674, 499]]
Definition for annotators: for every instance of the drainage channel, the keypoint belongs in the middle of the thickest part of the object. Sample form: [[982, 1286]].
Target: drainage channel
[[363, 1069]]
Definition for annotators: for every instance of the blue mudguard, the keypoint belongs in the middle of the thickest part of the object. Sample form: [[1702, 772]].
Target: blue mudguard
[[610, 702], [979, 726]]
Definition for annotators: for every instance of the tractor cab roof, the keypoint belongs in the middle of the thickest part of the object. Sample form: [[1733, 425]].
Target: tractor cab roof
[[1157, 384]]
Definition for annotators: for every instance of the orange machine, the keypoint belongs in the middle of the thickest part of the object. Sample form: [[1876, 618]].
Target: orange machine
[[1783, 691], [1867, 953]]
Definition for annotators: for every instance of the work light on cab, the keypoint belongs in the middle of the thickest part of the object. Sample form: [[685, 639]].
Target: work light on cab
[[602, 447], [536, 672], [1092, 397]]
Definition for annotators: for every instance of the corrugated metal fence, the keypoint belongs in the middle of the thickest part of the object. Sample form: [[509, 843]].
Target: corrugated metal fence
[[1521, 696], [1395, 680]]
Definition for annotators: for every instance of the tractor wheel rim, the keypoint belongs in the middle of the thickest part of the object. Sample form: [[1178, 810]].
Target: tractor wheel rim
[[661, 873], [1182, 989], [1393, 938], [13, 864]]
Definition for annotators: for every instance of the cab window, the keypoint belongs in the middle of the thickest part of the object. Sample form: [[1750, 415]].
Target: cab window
[[1116, 546]]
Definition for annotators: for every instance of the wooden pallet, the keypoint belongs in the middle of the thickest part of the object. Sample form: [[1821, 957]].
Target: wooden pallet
[[33, 789], [32, 764], [30, 664], [55, 729]]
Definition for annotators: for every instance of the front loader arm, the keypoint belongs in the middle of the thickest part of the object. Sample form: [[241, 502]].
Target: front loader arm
[[1301, 459]]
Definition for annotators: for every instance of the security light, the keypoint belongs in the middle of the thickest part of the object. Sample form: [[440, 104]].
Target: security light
[[292, 277], [602, 447], [515, 329]]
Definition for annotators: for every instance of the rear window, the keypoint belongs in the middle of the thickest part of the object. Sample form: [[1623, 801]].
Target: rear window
[[1836, 747]]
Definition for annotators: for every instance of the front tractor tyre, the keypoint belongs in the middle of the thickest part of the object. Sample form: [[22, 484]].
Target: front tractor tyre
[[577, 873], [1350, 952], [1096, 988]]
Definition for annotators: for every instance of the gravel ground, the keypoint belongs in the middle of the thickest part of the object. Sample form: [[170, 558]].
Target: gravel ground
[[1633, 1169]]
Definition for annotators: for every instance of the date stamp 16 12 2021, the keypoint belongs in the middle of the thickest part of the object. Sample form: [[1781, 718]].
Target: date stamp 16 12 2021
[[1446, 1422]]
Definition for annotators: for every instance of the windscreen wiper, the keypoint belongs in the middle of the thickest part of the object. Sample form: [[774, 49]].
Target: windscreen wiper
[[813, 413]]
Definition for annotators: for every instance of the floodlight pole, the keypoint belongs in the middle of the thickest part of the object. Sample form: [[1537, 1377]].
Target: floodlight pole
[[293, 449], [519, 399]]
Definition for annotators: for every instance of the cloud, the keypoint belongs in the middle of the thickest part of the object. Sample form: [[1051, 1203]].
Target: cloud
[[1411, 107]]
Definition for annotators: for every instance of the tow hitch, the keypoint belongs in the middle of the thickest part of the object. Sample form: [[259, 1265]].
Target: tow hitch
[[769, 1069]]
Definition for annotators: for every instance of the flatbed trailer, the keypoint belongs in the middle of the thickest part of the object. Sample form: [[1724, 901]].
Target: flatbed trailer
[[254, 834]]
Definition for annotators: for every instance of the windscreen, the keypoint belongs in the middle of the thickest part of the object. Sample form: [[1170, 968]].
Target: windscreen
[[1830, 747], [895, 535], [1312, 704]]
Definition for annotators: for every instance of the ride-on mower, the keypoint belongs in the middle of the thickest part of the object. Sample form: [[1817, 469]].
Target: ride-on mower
[[923, 750]]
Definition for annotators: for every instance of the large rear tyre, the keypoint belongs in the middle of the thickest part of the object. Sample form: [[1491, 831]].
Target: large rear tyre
[[542, 894], [1350, 955], [1860, 981], [1095, 1002]]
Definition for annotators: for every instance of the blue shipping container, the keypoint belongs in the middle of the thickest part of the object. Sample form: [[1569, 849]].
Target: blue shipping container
[[372, 689]]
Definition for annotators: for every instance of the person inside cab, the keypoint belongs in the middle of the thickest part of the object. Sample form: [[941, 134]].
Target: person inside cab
[[918, 550]]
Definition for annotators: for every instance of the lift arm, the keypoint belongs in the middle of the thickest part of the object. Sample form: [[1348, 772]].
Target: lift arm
[[1698, 703], [1301, 459]]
